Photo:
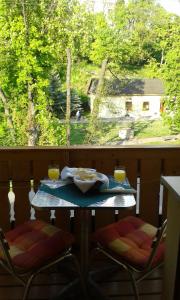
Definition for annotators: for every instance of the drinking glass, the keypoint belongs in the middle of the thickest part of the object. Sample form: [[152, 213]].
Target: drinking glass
[[120, 173], [53, 172]]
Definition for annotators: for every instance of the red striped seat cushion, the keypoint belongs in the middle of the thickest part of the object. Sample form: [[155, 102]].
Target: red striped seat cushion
[[131, 239], [35, 242]]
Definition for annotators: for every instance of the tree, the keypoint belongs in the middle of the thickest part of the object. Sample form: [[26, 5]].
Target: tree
[[166, 66], [170, 71], [26, 62], [128, 37], [104, 42], [34, 36], [94, 122]]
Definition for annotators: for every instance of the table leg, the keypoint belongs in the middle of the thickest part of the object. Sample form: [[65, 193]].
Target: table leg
[[84, 244]]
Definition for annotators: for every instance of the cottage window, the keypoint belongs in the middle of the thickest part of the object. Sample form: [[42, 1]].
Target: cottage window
[[128, 106], [145, 106]]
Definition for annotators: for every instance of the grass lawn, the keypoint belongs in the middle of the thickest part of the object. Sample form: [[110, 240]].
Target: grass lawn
[[78, 133], [108, 132], [145, 129], [173, 142]]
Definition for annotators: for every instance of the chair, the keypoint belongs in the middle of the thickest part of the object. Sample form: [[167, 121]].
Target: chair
[[133, 244], [31, 248]]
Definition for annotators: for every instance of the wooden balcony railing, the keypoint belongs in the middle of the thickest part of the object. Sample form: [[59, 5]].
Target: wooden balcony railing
[[22, 168]]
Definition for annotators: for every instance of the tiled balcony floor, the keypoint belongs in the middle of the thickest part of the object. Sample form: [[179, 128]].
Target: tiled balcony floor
[[47, 285]]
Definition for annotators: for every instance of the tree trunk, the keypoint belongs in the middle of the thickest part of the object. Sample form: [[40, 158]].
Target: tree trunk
[[162, 57], [98, 95], [7, 114], [68, 98], [93, 126], [31, 119]]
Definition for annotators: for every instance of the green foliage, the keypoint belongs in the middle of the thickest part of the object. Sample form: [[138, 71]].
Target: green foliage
[[104, 40], [138, 38], [171, 74], [34, 36], [168, 69], [129, 36]]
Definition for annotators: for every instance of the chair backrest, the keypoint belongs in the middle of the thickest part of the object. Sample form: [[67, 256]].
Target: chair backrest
[[160, 235], [5, 258]]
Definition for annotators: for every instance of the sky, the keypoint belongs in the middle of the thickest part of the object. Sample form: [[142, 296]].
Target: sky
[[170, 5]]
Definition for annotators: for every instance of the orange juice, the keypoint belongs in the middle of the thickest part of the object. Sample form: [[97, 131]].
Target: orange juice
[[53, 173], [119, 175]]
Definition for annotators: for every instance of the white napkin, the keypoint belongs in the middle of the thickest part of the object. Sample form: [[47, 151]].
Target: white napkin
[[85, 184], [120, 190], [53, 184]]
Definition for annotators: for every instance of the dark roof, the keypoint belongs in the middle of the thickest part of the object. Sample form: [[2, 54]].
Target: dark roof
[[118, 87]]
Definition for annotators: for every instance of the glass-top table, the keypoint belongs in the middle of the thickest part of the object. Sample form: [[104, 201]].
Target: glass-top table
[[68, 196]]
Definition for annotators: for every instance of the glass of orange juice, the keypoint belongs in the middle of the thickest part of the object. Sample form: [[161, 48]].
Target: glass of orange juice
[[120, 173], [53, 172]]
